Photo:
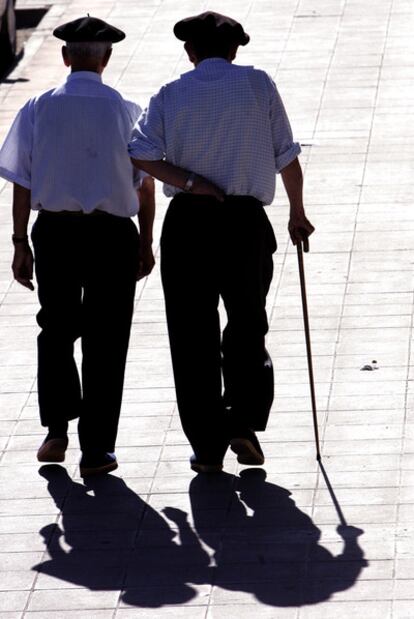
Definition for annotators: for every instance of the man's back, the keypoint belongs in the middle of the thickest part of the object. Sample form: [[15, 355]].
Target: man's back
[[223, 121], [63, 137]]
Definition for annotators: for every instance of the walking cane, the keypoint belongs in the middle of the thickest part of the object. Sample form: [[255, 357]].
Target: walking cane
[[335, 501], [308, 344]]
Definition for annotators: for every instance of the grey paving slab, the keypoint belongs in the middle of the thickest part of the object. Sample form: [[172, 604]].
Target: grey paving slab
[[70, 614], [74, 599]]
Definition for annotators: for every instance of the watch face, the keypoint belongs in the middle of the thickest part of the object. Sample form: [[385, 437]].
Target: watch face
[[190, 182]]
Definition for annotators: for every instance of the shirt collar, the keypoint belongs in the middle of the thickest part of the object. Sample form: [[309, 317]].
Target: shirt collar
[[211, 62], [85, 75]]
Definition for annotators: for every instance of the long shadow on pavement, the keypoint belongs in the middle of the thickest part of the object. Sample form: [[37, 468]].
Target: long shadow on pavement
[[260, 543], [271, 549]]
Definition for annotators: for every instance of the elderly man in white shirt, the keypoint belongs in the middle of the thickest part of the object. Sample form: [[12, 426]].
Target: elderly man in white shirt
[[67, 156], [228, 124]]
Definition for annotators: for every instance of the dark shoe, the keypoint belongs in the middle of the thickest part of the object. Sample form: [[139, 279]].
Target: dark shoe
[[52, 450], [247, 448], [95, 465], [201, 466]]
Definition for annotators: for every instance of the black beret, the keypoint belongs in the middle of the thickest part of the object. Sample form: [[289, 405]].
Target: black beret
[[210, 25], [88, 29]]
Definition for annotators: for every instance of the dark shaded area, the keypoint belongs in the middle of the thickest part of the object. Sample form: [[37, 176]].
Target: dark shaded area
[[261, 542], [15, 81], [30, 18], [5, 70], [26, 21], [271, 549]]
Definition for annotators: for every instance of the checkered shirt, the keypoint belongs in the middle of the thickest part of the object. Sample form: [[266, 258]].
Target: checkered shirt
[[223, 121]]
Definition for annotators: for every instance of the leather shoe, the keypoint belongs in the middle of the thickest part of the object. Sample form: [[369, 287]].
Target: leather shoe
[[95, 465], [52, 450], [247, 447], [200, 466]]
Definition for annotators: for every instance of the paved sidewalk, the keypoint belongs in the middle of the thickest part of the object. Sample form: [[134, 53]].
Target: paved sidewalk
[[153, 540]]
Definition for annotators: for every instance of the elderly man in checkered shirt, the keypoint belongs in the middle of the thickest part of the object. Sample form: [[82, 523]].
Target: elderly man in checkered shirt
[[225, 123]]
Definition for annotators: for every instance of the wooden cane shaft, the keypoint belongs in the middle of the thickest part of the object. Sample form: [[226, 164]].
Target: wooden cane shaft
[[308, 346]]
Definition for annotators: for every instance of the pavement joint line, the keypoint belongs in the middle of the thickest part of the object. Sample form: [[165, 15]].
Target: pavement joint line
[[356, 217]]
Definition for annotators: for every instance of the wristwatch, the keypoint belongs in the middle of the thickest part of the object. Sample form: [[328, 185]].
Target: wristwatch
[[189, 182]]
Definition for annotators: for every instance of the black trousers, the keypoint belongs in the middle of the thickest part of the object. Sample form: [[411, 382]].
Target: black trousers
[[85, 269], [211, 250]]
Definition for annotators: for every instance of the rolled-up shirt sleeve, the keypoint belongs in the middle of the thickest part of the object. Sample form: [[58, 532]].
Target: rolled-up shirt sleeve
[[148, 139], [16, 151], [286, 150], [134, 110]]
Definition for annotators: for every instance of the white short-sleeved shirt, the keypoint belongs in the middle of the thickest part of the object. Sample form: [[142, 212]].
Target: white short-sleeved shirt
[[69, 146], [226, 122]]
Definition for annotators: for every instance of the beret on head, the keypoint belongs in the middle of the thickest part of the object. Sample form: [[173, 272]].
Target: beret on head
[[210, 25], [88, 29]]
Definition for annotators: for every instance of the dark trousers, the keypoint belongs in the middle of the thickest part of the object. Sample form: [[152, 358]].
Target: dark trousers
[[211, 250], [85, 268]]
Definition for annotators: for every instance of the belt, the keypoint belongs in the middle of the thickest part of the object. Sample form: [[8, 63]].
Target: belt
[[204, 199]]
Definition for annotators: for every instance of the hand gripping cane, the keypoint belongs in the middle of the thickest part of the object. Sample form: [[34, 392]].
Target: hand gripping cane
[[308, 344]]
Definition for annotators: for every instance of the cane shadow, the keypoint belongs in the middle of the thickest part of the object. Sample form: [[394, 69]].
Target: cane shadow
[[271, 549], [108, 538]]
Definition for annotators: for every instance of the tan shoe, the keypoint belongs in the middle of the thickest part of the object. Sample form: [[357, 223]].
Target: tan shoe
[[205, 467], [97, 465], [52, 450], [247, 447]]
